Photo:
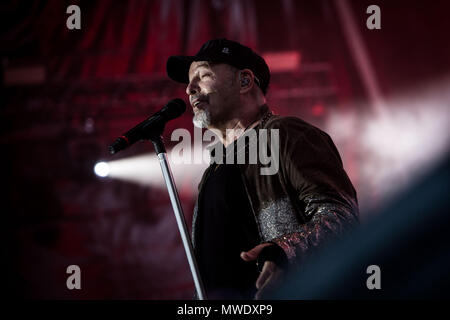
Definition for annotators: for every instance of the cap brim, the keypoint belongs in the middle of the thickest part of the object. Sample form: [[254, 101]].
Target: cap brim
[[178, 68]]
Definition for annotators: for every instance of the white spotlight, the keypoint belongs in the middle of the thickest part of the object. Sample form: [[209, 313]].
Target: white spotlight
[[101, 169]]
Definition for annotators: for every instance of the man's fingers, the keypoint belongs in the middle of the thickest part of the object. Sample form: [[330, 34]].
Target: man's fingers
[[254, 253], [246, 256], [264, 275], [268, 280], [269, 286]]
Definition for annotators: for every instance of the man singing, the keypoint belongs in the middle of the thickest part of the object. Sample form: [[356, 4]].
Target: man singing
[[249, 227]]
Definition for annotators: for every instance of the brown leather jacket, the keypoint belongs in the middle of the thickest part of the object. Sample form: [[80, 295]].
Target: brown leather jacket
[[308, 200]]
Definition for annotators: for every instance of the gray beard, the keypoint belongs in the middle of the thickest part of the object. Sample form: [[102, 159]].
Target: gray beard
[[202, 119]]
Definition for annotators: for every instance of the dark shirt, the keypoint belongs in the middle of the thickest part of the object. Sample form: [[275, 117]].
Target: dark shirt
[[227, 227]]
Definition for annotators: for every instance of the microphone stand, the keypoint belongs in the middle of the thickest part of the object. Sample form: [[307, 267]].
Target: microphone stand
[[155, 138]]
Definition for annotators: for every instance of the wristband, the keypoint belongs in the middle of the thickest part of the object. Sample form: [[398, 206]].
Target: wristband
[[272, 253]]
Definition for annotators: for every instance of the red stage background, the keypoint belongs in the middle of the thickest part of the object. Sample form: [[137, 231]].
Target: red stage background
[[66, 94]]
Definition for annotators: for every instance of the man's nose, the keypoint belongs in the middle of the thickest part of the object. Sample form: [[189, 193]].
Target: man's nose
[[192, 88]]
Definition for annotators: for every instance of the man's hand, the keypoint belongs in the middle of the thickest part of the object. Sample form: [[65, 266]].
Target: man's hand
[[270, 276]]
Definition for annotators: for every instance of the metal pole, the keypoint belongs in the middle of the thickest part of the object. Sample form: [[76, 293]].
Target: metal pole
[[167, 173]]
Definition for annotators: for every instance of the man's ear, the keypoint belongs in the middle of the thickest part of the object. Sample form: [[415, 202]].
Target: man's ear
[[246, 80]]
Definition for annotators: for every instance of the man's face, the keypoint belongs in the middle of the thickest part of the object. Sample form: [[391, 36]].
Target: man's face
[[213, 93]]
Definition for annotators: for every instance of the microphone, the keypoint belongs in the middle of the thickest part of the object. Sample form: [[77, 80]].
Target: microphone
[[173, 109]]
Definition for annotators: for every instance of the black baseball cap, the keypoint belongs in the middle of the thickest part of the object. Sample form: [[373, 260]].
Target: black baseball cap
[[221, 51]]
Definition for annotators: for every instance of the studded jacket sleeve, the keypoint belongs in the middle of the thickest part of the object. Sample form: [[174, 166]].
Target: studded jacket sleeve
[[312, 168]]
